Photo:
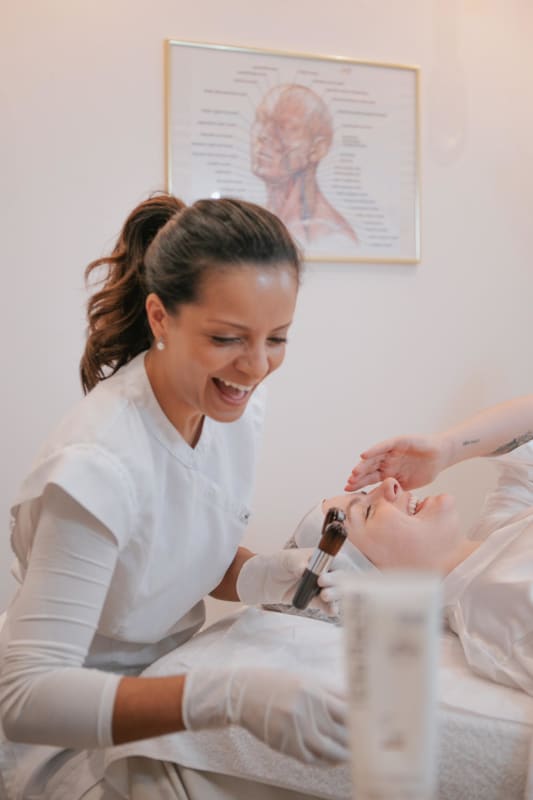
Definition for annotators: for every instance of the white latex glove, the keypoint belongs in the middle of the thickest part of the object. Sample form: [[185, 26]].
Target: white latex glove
[[292, 714], [274, 578], [330, 582]]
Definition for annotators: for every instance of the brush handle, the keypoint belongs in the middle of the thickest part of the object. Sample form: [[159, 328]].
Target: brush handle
[[307, 589]]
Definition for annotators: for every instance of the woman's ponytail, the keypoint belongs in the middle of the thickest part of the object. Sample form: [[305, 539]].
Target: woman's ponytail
[[117, 325]]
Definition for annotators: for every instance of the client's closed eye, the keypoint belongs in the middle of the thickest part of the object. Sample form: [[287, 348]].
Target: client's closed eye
[[368, 510]]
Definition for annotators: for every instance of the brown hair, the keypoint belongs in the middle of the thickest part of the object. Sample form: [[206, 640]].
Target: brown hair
[[167, 248]]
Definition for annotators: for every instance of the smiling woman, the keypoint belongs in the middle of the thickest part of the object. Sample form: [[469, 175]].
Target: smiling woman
[[219, 349], [488, 585], [392, 528], [136, 505]]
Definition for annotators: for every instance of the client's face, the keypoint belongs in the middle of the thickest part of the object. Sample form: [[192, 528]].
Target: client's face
[[392, 529]]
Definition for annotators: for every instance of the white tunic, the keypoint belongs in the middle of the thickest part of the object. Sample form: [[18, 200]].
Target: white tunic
[[120, 529], [488, 597]]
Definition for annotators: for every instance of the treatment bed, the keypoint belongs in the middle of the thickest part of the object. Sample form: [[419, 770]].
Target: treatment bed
[[485, 729]]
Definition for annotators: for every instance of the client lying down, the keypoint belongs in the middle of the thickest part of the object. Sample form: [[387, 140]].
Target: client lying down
[[487, 582]]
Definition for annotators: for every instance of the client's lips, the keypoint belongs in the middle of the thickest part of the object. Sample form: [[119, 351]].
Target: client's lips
[[420, 505], [412, 504]]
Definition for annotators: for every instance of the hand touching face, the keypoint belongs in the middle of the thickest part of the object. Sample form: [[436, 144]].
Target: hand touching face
[[413, 460]]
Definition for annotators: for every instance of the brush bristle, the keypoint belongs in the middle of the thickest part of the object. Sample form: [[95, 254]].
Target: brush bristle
[[333, 537]]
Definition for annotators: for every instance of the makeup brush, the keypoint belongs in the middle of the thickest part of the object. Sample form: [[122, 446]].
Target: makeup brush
[[332, 538]]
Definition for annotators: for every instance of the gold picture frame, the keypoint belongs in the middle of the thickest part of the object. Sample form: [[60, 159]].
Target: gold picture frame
[[330, 144]]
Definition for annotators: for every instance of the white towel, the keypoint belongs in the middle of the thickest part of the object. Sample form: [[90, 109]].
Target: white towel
[[485, 728]]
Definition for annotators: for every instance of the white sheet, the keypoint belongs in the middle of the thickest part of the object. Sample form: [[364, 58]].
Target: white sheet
[[485, 728]]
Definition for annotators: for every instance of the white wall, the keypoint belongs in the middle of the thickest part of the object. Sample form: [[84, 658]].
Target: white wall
[[375, 350]]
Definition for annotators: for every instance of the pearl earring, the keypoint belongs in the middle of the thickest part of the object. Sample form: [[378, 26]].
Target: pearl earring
[[160, 344]]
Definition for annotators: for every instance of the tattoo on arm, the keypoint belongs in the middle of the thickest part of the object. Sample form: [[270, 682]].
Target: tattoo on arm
[[513, 444], [470, 441]]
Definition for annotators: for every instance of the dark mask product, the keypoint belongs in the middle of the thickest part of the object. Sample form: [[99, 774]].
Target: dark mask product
[[332, 538]]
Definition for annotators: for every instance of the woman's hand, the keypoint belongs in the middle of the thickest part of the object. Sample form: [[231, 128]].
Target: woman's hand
[[274, 578], [417, 460], [291, 713], [413, 460]]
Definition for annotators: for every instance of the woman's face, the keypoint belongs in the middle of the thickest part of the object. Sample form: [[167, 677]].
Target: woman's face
[[219, 349], [392, 529]]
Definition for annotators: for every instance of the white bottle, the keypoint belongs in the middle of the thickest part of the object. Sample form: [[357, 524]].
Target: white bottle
[[391, 624]]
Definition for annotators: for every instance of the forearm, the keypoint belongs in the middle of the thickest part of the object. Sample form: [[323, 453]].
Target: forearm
[[146, 707], [44, 702], [492, 432], [227, 588], [47, 695]]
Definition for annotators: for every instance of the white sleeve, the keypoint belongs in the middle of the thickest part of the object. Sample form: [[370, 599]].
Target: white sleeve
[[492, 612], [46, 694], [513, 494]]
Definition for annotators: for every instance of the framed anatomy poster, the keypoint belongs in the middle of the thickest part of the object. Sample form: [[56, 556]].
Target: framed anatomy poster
[[329, 144]]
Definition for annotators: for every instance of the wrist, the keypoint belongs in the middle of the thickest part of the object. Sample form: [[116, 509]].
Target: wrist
[[461, 444], [246, 585], [205, 703], [227, 588], [448, 447]]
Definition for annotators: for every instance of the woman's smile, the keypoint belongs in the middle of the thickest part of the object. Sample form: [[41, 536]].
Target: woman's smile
[[233, 393]]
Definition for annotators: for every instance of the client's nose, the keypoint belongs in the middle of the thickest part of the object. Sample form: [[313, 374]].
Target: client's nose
[[391, 488]]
